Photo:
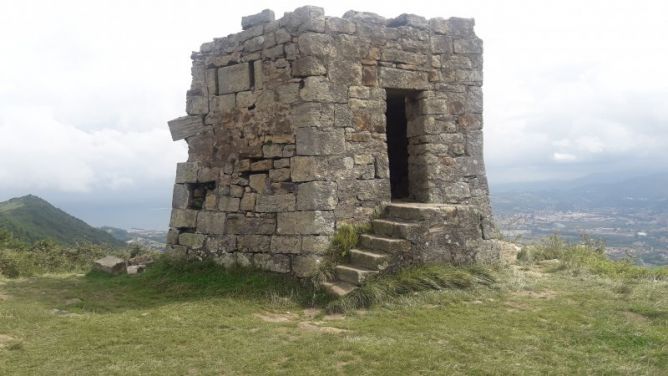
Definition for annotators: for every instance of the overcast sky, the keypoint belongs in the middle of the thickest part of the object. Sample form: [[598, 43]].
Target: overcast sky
[[86, 87]]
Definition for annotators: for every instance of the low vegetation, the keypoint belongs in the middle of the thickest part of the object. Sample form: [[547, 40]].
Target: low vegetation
[[563, 309], [587, 256]]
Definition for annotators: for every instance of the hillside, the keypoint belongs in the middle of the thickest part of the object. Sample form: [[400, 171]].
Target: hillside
[[31, 218]]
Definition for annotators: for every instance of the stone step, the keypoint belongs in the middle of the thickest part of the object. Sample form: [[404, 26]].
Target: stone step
[[368, 259], [384, 244], [353, 274], [418, 211], [338, 288], [394, 228]]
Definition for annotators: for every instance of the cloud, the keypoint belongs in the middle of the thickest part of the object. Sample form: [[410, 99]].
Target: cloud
[[39, 153]]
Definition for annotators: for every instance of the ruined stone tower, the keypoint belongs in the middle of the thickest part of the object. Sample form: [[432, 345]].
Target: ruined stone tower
[[299, 124]]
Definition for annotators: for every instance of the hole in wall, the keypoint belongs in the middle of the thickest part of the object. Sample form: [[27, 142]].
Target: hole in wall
[[397, 142], [198, 193]]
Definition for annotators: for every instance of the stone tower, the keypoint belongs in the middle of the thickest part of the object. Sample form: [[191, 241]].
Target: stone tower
[[299, 124]]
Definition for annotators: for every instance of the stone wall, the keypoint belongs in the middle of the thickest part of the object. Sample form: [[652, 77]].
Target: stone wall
[[286, 134]]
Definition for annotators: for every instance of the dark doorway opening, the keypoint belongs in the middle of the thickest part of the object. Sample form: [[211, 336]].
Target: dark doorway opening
[[397, 143]]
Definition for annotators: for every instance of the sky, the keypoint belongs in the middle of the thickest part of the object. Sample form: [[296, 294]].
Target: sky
[[571, 88]]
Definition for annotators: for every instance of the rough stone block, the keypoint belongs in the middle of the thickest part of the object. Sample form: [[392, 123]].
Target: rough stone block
[[221, 243], [314, 44], [286, 244], [441, 44], [273, 263], [211, 222], [311, 114], [197, 105], [247, 202], [191, 240], [308, 66], [316, 89], [402, 79], [183, 218], [110, 265], [240, 224], [186, 126], [274, 203], [263, 17], [259, 183], [229, 204], [399, 56], [245, 99], [314, 141], [305, 222], [233, 78], [306, 265], [263, 165], [315, 244], [411, 20], [317, 195], [186, 172], [180, 196], [303, 168], [272, 150], [339, 25], [282, 163], [467, 46], [254, 243], [278, 175]]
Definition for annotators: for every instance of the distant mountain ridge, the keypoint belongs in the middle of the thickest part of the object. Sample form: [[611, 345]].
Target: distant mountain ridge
[[30, 218]]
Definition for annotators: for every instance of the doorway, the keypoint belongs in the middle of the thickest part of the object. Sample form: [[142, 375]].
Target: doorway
[[397, 143]]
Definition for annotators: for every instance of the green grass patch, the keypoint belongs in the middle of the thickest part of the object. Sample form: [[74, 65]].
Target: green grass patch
[[386, 287]]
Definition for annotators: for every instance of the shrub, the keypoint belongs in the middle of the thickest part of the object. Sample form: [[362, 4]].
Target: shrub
[[587, 256]]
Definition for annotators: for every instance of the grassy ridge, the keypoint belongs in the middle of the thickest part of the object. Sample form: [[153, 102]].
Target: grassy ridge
[[32, 219]]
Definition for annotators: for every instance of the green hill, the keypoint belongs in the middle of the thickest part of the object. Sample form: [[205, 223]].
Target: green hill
[[30, 218]]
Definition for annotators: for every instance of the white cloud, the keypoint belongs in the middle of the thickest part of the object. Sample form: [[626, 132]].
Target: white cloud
[[41, 153]]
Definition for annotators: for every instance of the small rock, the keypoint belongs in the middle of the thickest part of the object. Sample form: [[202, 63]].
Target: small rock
[[143, 260], [72, 301], [110, 264], [136, 269]]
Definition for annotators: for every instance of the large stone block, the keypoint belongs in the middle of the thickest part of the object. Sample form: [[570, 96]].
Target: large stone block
[[186, 126], [274, 203], [305, 222], [467, 46], [242, 225], [306, 265], [314, 141], [317, 195], [234, 78], [308, 66], [211, 222], [315, 244], [221, 243], [186, 172], [263, 17], [254, 243], [180, 196], [315, 44], [191, 240], [286, 244], [183, 218], [274, 263], [311, 114], [403, 79]]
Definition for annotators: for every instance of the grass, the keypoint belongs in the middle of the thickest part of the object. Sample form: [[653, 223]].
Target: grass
[[539, 317]]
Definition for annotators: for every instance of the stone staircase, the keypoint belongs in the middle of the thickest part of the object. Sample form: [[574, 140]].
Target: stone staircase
[[388, 243]]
